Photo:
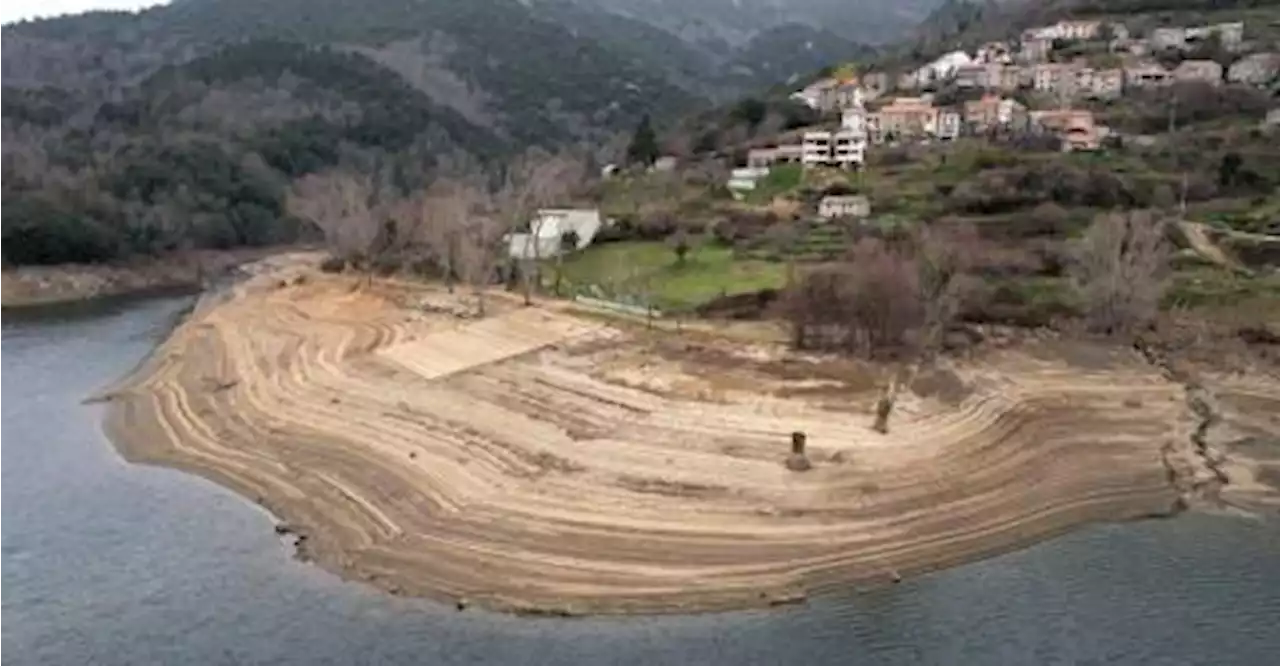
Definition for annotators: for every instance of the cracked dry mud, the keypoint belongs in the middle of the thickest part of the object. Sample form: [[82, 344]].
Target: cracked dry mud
[[539, 461]]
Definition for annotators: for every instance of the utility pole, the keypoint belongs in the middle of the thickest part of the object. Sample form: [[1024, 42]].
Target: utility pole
[[1173, 128]]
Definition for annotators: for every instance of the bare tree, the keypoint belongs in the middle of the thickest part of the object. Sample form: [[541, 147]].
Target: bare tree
[[1120, 271], [438, 223], [868, 304], [535, 180], [342, 205], [943, 256], [479, 248]]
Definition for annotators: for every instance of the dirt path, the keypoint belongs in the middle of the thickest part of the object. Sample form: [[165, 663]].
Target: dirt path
[[539, 461], [1199, 241]]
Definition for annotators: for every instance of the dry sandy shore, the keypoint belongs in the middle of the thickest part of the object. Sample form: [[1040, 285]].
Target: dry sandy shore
[[544, 462]]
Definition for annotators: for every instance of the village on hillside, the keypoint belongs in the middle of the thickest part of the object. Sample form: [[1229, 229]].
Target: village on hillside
[[1054, 67]]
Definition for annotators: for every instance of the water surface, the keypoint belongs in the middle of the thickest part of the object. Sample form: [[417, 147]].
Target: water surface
[[110, 563]]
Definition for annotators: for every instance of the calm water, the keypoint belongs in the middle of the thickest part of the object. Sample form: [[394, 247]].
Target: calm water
[[107, 563]]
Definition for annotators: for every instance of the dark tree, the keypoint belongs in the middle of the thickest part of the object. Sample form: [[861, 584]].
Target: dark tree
[[751, 111], [644, 144]]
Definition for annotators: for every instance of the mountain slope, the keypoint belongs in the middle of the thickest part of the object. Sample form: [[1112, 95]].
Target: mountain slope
[[736, 21], [542, 79], [182, 126]]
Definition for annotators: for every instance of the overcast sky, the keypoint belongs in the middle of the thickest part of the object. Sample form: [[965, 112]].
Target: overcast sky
[[14, 10]]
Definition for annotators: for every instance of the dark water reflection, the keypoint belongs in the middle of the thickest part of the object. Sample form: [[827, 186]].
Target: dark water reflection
[[107, 563]]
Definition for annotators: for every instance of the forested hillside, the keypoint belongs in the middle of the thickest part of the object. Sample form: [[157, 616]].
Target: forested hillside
[[181, 126]]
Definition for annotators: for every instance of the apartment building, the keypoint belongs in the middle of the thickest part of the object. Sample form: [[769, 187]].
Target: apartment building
[[845, 148]]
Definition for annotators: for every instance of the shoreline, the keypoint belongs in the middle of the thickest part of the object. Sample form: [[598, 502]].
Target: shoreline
[[537, 462], [34, 287]]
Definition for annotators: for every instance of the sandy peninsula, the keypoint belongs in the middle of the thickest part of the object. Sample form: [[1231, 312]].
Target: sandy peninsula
[[540, 460]]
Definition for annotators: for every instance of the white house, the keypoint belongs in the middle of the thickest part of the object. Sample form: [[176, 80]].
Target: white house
[[845, 205], [949, 123], [941, 69], [744, 179], [548, 228]]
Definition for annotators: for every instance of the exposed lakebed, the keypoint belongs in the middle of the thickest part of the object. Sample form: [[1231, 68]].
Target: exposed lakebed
[[110, 563]]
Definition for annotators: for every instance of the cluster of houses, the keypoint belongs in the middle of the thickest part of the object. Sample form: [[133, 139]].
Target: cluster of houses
[[1000, 69], [1025, 64]]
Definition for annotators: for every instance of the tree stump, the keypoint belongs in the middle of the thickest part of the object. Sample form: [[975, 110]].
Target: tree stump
[[798, 461]]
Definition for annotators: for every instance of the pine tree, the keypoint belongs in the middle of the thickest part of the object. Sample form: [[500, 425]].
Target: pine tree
[[644, 144]]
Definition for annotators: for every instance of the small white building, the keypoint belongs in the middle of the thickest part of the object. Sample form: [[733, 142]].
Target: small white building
[[548, 228], [844, 205], [744, 179], [941, 69]]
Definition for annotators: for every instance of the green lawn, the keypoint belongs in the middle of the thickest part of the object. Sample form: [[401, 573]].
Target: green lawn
[[628, 271], [782, 179]]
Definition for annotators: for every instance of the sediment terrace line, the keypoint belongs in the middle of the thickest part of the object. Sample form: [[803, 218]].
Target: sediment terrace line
[[487, 341]]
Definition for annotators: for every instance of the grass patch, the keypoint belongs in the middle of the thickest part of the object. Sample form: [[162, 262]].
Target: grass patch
[[782, 179], [1213, 287], [636, 271]]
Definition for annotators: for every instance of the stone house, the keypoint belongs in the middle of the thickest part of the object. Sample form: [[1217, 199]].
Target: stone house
[[949, 125], [994, 53], [1105, 83], [989, 76], [1207, 71], [1035, 50], [815, 94], [941, 69], [1086, 29], [907, 118], [1076, 128], [993, 112], [763, 158], [1146, 74], [971, 76], [664, 164], [875, 84], [847, 205], [1255, 69], [1230, 35], [1054, 77]]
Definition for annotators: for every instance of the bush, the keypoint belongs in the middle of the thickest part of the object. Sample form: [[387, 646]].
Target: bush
[[1120, 271], [869, 304]]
